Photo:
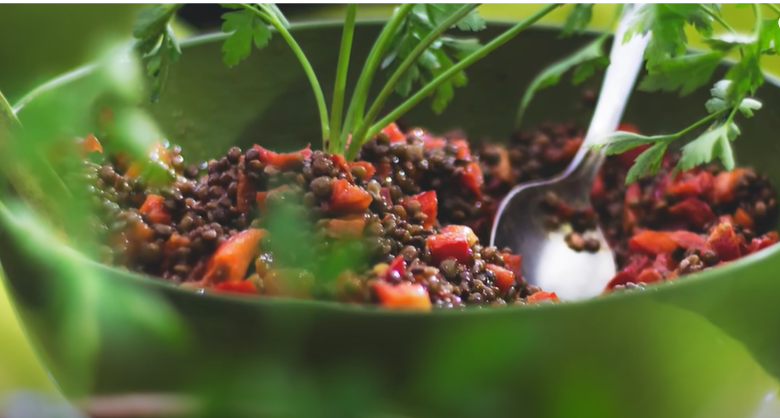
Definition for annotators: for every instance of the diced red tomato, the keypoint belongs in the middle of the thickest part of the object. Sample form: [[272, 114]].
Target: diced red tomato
[[394, 133], [542, 297], [410, 296], [341, 163], [630, 272], [725, 242], [759, 243], [743, 219], [154, 209], [472, 178], [370, 169], [690, 184], [346, 228], [628, 127], [232, 258], [464, 152], [428, 204], [462, 230], [504, 278], [244, 286], [448, 245], [347, 198], [397, 268], [284, 161], [90, 144], [662, 242], [695, 212], [513, 262], [649, 275], [725, 184]]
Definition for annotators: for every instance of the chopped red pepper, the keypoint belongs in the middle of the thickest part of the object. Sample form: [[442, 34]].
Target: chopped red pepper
[[472, 178], [463, 150], [743, 219], [347, 198], [759, 243], [428, 205], [341, 163], [394, 133], [630, 272], [244, 286], [90, 144], [694, 212], [346, 228], [504, 278], [725, 242], [542, 297], [513, 262], [370, 169], [448, 245], [463, 230], [404, 295], [690, 185], [154, 209], [725, 184], [661, 242], [232, 258], [396, 268], [285, 161]]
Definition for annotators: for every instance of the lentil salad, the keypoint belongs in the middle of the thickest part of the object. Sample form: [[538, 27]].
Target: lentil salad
[[410, 215]]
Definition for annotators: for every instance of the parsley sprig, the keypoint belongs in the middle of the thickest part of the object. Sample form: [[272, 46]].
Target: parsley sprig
[[670, 67], [416, 48]]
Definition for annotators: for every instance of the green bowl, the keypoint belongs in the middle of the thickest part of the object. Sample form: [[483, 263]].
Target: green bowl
[[705, 346]]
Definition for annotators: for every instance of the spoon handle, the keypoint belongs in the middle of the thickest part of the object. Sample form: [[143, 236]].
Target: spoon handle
[[625, 61]]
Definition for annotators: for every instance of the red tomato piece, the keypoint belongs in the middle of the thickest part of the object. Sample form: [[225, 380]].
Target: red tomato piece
[[724, 186], [649, 275], [341, 163], [285, 161], [154, 209], [244, 286], [542, 297], [410, 296], [662, 242], [394, 133], [428, 204], [694, 212], [504, 278], [464, 152], [232, 258], [690, 184], [472, 178], [448, 245], [347, 198], [725, 242], [743, 219], [513, 262], [462, 230], [630, 272], [370, 169]]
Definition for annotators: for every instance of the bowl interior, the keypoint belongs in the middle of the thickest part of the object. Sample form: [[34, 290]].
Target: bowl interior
[[662, 352]]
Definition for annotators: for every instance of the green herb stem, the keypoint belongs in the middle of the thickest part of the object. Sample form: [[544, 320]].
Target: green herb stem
[[307, 68], [773, 7], [717, 18], [360, 96], [472, 58], [337, 107], [373, 111], [700, 122]]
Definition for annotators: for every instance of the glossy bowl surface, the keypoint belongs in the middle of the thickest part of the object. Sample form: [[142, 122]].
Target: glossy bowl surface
[[705, 346]]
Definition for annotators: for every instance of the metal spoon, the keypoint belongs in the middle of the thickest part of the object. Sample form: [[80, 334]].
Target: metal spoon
[[519, 224]]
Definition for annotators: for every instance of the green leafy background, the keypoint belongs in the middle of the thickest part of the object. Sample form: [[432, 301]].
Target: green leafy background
[[76, 39]]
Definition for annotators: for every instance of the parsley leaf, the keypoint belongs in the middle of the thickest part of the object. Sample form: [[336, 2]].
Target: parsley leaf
[[686, 73], [647, 163], [745, 75], [666, 22], [769, 37], [438, 57], [578, 19], [157, 42], [245, 28], [585, 62], [714, 143], [621, 141]]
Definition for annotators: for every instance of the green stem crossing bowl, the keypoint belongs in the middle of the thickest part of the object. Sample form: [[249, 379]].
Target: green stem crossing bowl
[[705, 346]]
